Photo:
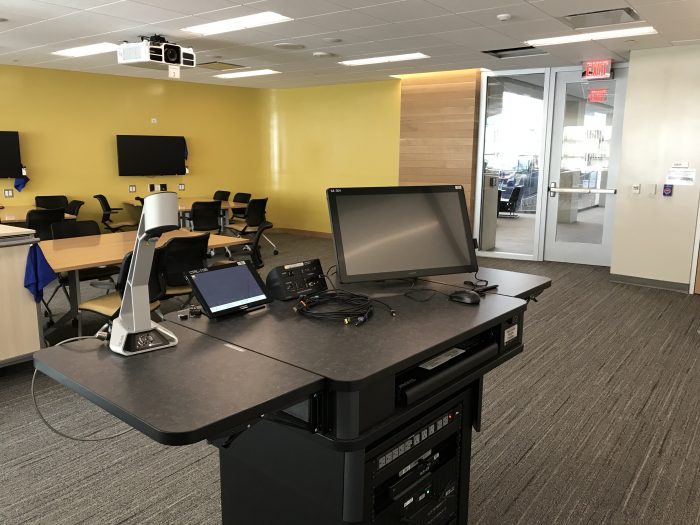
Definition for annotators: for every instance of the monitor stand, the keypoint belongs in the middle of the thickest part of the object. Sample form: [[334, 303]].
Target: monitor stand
[[377, 289]]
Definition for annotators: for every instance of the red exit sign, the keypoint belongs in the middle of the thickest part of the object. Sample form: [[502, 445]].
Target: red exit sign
[[598, 95], [597, 69]]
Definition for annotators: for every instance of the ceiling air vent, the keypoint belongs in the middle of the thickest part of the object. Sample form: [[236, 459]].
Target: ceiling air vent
[[516, 52], [609, 17], [219, 66]]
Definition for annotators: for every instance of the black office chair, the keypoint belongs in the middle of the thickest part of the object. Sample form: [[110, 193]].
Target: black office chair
[[252, 250], [107, 212], [240, 213], [41, 220], [221, 195], [511, 204], [73, 208], [254, 218], [109, 305], [51, 202], [180, 255], [205, 216], [71, 229]]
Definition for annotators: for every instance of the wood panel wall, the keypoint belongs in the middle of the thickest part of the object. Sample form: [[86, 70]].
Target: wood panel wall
[[439, 129]]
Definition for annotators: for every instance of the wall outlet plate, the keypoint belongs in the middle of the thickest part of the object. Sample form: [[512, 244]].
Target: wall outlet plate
[[132, 188], [181, 187], [9, 194]]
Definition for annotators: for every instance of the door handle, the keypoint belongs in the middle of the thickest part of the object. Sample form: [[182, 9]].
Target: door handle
[[553, 190]]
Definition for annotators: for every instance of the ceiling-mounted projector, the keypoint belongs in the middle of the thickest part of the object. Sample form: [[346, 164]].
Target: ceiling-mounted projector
[[155, 54]]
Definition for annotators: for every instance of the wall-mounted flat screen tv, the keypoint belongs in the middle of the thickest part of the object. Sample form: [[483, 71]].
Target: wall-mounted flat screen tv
[[145, 155], [10, 160]]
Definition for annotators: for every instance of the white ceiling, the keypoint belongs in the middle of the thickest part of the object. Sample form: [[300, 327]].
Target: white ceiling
[[452, 32]]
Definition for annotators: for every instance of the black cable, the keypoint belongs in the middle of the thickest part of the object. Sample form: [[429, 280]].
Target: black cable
[[339, 305], [477, 282], [41, 416]]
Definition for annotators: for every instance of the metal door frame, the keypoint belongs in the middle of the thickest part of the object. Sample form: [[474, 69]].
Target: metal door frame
[[615, 145], [538, 248]]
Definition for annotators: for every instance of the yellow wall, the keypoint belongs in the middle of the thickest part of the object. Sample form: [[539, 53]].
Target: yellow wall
[[320, 137], [289, 144], [68, 122]]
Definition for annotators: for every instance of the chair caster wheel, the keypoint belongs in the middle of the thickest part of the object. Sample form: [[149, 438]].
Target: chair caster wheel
[[276, 252]]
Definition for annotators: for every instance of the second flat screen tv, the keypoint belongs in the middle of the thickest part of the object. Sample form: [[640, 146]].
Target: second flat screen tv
[[144, 155], [10, 161]]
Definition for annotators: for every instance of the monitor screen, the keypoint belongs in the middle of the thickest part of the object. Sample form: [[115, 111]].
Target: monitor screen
[[10, 160], [400, 232], [151, 155], [226, 289]]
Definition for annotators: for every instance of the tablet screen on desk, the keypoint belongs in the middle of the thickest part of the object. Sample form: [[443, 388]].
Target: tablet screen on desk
[[227, 289]]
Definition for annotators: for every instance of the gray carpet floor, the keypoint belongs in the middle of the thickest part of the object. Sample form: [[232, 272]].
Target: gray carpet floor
[[598, 421]]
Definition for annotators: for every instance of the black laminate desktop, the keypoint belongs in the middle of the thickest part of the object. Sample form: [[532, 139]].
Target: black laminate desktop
[[302, 410]]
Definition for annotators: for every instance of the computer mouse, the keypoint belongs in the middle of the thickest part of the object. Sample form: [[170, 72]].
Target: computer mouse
[[466, 297]]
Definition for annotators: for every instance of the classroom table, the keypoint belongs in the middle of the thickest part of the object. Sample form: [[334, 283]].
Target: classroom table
[[18, 213], [184, 204], [76, 253]]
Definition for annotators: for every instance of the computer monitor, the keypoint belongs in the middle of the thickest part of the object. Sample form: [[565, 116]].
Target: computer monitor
[[400, 232]]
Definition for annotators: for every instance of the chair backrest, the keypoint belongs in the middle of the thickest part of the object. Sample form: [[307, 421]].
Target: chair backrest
[[106, 208], [256, 212], [41, 220], [67, 229], [241, 198], [74, 206], [182, 254], [255, 253], [515, 195], [51, 202], [205, 215], [156, 282], [221, 195]]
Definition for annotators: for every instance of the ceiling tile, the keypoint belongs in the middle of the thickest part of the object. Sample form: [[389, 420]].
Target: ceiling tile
[[228, 12], [625, 45], [438, 24], [142, 13], [558, 8], [344, 20], [464, 6], [32, 8], [677, 10], [479, 39], [76, 4], [404, 10], [577, 53], [188, 6], [297, 8], [354, 4], [534, 29], [519, 13]]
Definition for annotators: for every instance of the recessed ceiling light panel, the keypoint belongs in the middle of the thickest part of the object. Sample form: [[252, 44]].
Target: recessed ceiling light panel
[[587, 37], [236, 24], [83, 51], [250, 73], [382, 60]]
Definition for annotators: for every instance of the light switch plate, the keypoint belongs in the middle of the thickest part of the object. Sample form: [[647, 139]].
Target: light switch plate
[[181, 187], [132, 188], [9, 194], [636, 188]]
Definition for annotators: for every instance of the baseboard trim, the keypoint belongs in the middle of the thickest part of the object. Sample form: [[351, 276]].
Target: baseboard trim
[[310, 233], [650, 283]]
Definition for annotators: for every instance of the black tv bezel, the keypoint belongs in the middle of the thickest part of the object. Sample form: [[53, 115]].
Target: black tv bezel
[[5, 174], [236, 309], [184, 161], [331, 194]]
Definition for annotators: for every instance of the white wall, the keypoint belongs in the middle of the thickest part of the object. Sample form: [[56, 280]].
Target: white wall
[[654, 236]]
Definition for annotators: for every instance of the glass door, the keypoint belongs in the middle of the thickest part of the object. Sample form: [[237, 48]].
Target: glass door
[[513, 116], [584, 162]]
